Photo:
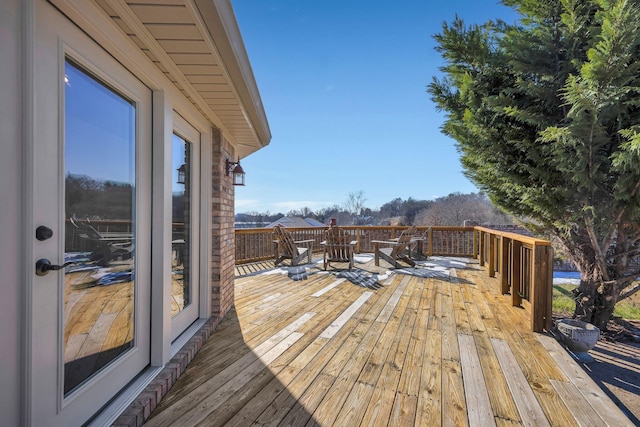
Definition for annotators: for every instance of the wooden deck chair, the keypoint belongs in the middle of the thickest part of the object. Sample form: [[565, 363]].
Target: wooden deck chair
[[411, 231], [414, 241], [105, 247], [422, 242], [396, 250], [338, 247], [287, 248]]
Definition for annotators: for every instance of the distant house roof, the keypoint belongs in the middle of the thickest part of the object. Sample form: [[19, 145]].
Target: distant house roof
[[296, 222], [314, 222]]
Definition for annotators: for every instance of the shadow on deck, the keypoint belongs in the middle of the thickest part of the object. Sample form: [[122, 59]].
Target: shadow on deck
[[435, 345]]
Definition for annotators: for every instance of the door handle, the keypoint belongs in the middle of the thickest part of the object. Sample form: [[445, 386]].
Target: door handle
[[44, 266]]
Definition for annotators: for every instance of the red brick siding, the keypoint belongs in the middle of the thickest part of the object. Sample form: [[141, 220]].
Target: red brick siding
[[222, 228]]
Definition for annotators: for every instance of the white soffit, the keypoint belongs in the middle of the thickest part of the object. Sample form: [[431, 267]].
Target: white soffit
[[199, 48]]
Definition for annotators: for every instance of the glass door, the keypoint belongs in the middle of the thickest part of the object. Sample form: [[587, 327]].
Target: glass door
[[185, 237], [91, 314], [100, 225]]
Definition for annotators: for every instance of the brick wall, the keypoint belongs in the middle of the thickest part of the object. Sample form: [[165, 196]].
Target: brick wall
[[222, 228]]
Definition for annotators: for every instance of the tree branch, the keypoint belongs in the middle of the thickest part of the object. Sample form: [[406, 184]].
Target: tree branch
[[626, 294], [600, 258]]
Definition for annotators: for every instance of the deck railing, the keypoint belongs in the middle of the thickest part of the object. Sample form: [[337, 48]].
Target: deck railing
[[523, 265], [257, 244]]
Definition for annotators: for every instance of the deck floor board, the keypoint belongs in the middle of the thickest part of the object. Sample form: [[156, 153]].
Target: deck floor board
[[419, 350]]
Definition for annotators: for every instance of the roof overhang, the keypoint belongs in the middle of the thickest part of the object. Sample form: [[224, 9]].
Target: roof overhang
[[198, 46]]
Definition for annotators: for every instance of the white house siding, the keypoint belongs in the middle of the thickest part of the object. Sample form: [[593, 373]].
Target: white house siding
[[233, 119], [11, 240]]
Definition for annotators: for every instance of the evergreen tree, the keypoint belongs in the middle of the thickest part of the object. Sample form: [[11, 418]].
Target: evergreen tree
[[546, 117]]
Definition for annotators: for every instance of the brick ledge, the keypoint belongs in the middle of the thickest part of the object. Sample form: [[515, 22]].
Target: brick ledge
[[140, 409]]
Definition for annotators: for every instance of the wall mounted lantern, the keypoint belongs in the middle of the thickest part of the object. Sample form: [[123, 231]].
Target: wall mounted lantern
[[237, 171], [181, 174]]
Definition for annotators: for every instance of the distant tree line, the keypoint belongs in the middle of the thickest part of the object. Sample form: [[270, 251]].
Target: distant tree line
[[89, 198], [451, 210]]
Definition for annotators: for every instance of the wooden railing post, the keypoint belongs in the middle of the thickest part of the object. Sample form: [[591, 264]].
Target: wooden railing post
[[505, 265], [492, 257], [476, 244], [481, 248], [516, 272], [541, 288]]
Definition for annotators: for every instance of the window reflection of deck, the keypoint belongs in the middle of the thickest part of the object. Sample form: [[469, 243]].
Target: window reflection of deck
[[98, 322]]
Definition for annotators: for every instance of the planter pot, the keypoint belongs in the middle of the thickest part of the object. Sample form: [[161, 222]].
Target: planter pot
[[578, 336]]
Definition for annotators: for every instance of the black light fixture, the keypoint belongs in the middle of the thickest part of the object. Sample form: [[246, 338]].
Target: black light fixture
[[237, 171], [181, 174]]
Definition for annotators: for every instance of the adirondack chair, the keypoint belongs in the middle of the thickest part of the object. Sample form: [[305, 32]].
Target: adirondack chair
[[422, 242], [338, 247], [396, 250], [287, 248], [105, 248], [415, 241]]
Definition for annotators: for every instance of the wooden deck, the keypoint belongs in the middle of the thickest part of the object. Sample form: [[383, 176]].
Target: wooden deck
[[442, 349]]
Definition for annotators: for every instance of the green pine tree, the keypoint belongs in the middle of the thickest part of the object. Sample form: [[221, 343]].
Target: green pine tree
[[546, 116]]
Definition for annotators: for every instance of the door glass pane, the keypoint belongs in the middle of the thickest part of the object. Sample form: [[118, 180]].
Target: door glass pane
[[100, 178], [181, 294]]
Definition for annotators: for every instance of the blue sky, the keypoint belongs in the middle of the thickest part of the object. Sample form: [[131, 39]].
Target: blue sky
[[108, 121], [343, 83]]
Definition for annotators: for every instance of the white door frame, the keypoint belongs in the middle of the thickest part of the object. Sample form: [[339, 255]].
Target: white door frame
[[167, 101], [56, 38]]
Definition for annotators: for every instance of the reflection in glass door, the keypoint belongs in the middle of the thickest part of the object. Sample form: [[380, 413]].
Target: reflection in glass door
[[185, 226], [181, 226], [88, 333], [100, 210]]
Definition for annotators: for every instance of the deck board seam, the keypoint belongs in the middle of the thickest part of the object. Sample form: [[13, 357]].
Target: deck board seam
[[479, 411], [328, 288], [337, 324], [605, 408], [531, 412]]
